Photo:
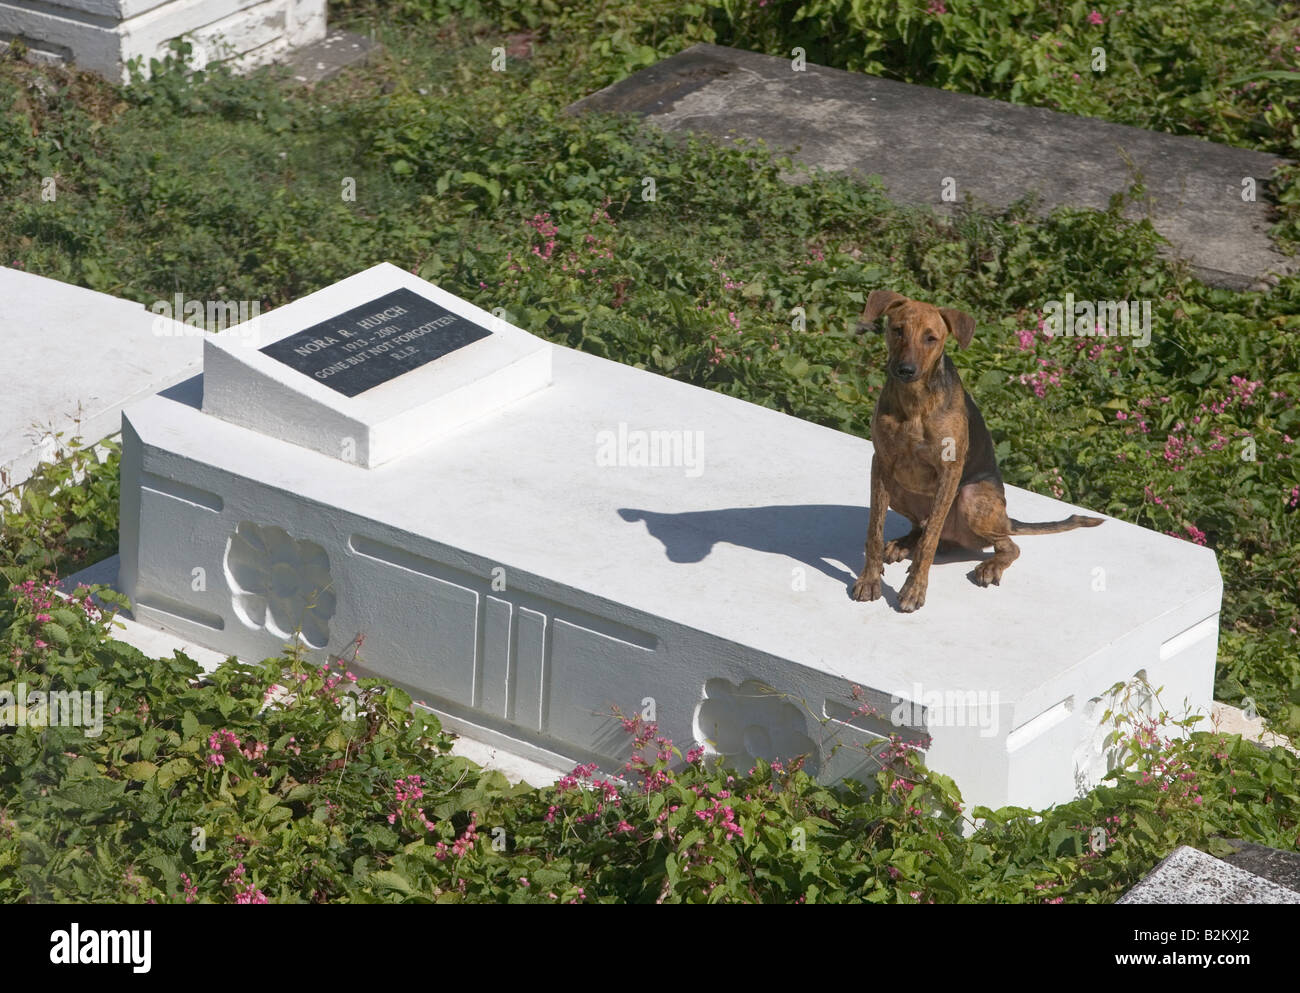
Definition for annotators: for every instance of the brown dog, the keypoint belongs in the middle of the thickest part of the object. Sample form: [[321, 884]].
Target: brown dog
[[934, 460]]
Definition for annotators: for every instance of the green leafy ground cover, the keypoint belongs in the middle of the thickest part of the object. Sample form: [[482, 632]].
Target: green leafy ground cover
[[292, 782], [227, 188]]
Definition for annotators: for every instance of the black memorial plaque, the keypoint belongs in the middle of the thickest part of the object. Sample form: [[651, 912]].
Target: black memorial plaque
[[368, 345]]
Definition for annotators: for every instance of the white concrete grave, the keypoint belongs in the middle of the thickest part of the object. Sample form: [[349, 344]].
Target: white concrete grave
[[104, 35], [74, 359], [618, 538]]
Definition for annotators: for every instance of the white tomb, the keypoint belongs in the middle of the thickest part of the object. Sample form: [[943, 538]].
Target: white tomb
[[74, 359], [103, 35], [512, 558]]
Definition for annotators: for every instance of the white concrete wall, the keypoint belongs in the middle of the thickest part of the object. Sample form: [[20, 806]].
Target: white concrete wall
[[103, 35]]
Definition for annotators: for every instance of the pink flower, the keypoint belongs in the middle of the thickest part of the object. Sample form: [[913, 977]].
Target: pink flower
[[1095, 18], [245, 892], [218, 741]]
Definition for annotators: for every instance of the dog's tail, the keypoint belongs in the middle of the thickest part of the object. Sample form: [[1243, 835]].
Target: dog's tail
[[1055, 527]]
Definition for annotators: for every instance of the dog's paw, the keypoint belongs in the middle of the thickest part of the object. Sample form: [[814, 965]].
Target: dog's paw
[[866, 589], [989, 573], [898, 549], [912, 595]]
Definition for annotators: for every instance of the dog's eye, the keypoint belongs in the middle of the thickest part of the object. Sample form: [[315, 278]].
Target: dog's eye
[[931, 339]]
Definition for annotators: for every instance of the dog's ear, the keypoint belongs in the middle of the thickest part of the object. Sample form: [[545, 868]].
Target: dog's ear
[[878, 301], [960, 324]]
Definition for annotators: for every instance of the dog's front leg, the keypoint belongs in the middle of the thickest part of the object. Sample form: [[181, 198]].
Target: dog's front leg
[[868, 585], [912, 595]]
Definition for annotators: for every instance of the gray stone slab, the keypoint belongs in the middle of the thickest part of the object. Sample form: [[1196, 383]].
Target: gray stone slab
[[328, 57], [73, 359], [1192, 876], [1281, 867], [915, 136]]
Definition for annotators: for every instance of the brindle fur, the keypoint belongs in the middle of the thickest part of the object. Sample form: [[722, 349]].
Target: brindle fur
[[934, 461]]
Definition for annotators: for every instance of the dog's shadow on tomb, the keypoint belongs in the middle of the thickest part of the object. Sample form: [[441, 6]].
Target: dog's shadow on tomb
[[827, 537]]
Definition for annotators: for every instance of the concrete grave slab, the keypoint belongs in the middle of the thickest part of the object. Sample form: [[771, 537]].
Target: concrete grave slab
[[324, 59], [862, 125], [104, 35], [73, 359], [1188, 875], [1273, 864], [1233, 720], [618, 538]]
